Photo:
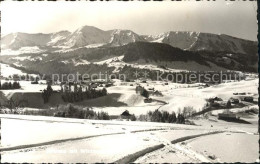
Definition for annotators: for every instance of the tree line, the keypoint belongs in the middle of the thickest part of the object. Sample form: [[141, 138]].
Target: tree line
[[72, 111], [162, 116], [78, 95], [9, 85]]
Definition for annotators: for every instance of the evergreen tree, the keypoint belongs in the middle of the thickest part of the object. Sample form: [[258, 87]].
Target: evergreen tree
[[44, 96], [228, 104], [18, 85], [5, 86], [80, 94], [10, 85], [61, 89], [104, 91], [47, 93], [75, 88], [173, 117]]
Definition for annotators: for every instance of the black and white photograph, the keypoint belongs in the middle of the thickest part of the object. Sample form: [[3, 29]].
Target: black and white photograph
[[129, 82]]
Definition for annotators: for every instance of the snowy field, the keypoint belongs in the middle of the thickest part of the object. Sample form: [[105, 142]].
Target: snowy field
[[39, 139], [223, 147], [7, 71]]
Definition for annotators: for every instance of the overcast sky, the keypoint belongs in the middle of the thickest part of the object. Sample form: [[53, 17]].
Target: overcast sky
[[233, 18]]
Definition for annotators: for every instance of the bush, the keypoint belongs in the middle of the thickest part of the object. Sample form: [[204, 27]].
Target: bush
[[188, 111], [133, 118], [143, 117], [189, 122]]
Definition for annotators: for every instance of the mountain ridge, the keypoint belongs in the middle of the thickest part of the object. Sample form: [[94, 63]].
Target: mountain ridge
[[222, 50], [89, 35]]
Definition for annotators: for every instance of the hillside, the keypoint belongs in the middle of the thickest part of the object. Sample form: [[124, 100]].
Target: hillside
[[197, 41], [140, 55], [90, 60]]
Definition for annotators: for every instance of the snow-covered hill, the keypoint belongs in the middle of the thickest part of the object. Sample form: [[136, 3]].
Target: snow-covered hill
[[182, 40]]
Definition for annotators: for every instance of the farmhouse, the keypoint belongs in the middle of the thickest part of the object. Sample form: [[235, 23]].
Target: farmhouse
[[125, 115]]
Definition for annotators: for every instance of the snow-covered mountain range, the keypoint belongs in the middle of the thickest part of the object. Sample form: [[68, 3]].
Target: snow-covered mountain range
[[84, 36], [94, 37], [89, 45]]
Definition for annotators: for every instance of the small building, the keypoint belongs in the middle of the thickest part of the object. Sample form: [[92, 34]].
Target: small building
[[249, 99], [125, 115], [227, 116], [109, 84], [212, 100], [151, 89], [234, 100], [148, 100], [34, 82]]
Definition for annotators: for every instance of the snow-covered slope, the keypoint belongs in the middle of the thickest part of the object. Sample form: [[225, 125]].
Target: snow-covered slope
[[183, 40], [213, 42], [19, 40], [89, 36], [123, 37], [86, 35], [205, 41], [58, 38]]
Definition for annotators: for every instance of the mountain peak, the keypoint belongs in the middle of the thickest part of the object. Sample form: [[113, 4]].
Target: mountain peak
[[87, 28]]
